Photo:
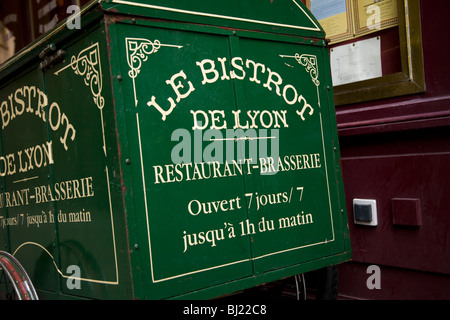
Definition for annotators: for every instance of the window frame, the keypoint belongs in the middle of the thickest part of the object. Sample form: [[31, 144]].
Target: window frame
[[410, 80]]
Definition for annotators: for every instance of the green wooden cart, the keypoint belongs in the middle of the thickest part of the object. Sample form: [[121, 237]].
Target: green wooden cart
[[171, 149]]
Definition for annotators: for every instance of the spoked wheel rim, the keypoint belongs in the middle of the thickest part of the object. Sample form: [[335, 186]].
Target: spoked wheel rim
[[14, 281]]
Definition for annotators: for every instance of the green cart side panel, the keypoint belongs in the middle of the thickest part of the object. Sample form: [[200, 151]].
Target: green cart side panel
[[232, 156], [99, 215], [62, 196], [27, 167]]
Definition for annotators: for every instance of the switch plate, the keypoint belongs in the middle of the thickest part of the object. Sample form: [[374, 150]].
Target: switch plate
[[406, 212], [365, 212]]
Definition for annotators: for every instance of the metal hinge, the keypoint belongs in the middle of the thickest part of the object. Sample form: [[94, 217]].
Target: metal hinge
[[50, 56]]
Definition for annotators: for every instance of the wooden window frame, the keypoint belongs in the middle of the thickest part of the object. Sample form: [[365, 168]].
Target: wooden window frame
[[410, 80]]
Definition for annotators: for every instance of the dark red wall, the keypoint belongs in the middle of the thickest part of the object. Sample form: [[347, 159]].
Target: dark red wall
[[399, 148]]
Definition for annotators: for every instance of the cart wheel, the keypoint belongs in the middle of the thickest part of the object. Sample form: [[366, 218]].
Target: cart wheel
[[14, 281], [323, 283], [320, 284]]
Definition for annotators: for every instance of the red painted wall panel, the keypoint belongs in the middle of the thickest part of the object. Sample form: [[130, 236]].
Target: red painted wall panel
[[395, 284], [400, 148], [420, 176]]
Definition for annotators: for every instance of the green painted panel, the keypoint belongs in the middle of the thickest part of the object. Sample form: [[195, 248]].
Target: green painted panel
[[285, 16], [69, 232], [82, 184], [232, 154], [292, 193], [188, 221], [25, 168]]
